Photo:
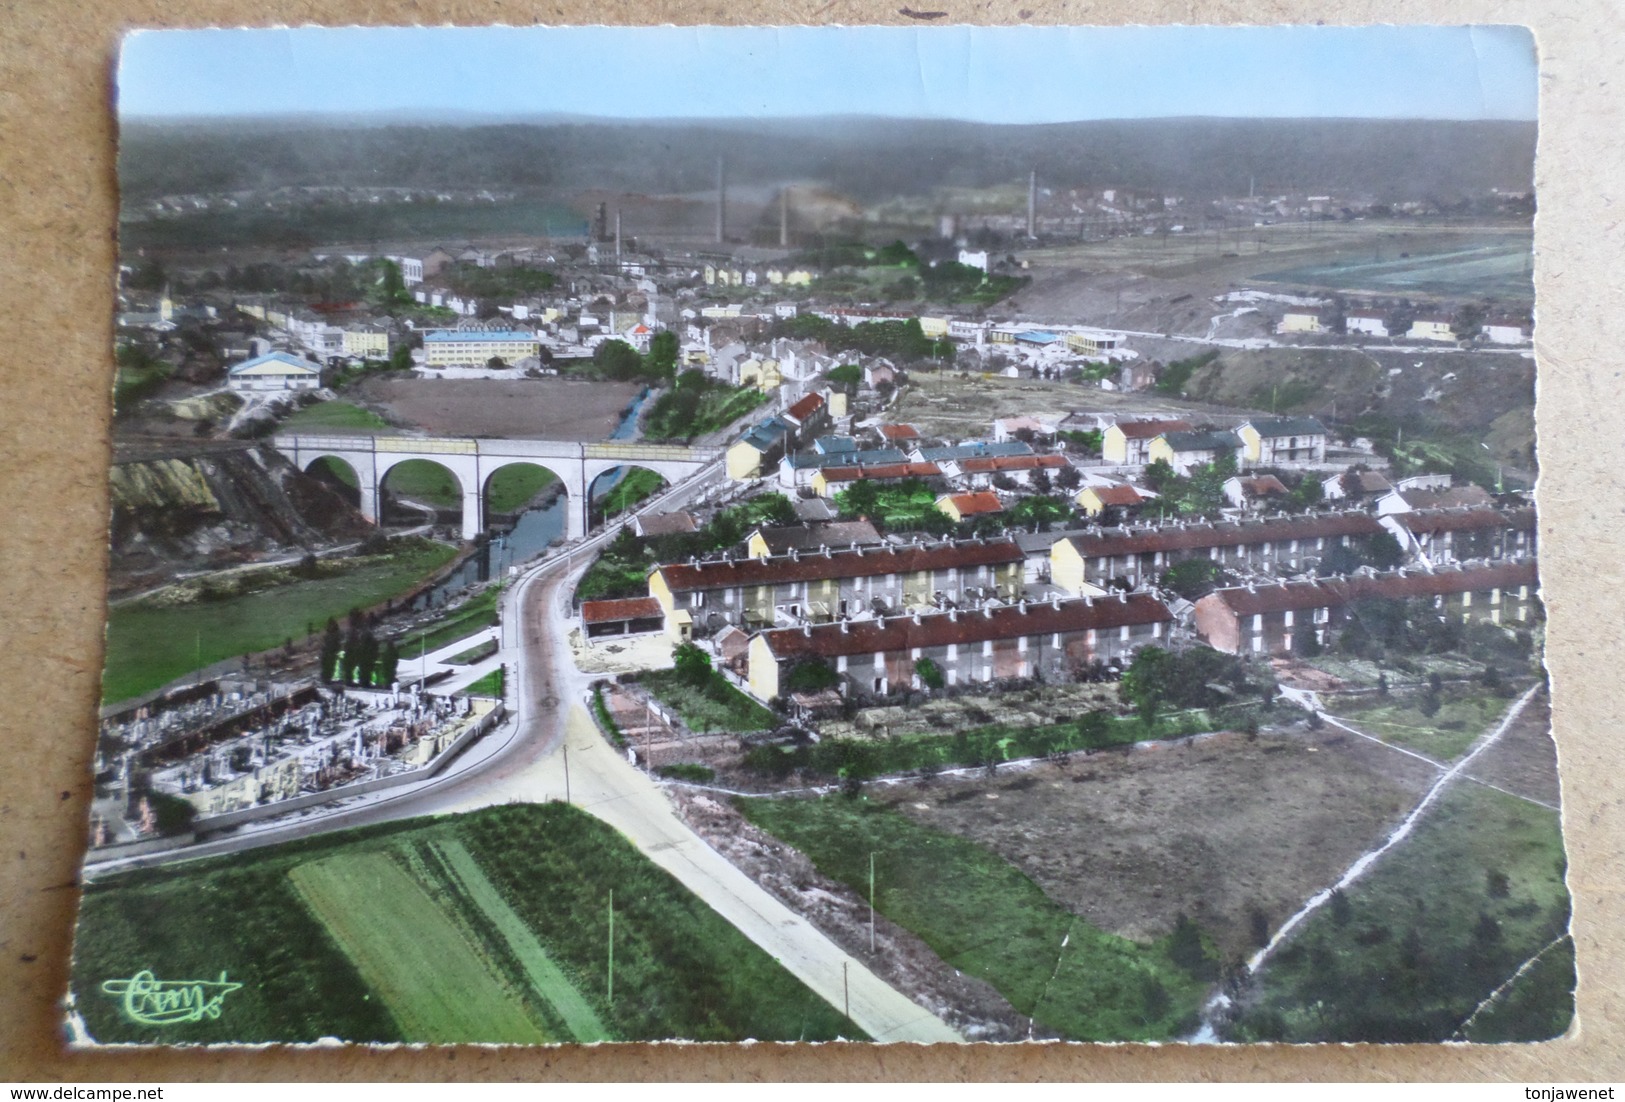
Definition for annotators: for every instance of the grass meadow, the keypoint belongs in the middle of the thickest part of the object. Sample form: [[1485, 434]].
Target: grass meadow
[[987, 919], [1436, 926], [150, 644], [487, 927]]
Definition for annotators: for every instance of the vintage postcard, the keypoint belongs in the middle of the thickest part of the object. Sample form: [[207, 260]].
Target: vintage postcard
[[932, 534]]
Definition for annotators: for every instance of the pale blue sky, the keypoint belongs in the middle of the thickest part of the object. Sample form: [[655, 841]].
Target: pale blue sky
[[988, 74]]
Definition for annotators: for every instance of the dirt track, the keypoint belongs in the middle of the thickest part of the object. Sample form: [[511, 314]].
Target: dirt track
[[541, 409]]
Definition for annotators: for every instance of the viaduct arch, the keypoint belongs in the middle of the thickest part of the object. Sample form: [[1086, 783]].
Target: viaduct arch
[[472, 461]]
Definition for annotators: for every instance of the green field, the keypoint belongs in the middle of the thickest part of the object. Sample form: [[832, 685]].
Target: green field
[[474, 654], [426, 481], [409, 953], [995, 742], [489, 685], [513, 487], [149, 645], [580, 1021], [716, 706], [1463, 715], [1477, 269], [638, 484], [475, 614], [1439, 923], [481, 927], [985, 918], [332, 416]]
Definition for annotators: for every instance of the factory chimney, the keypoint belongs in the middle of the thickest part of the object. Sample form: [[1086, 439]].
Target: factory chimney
[[617, 235], [1032, 204], [784, 218], [722, 200]]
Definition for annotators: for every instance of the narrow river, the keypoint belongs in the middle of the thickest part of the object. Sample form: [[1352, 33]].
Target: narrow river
[[531, 532]]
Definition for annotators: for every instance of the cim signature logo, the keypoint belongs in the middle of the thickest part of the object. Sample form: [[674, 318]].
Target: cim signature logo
[[152, 1001]]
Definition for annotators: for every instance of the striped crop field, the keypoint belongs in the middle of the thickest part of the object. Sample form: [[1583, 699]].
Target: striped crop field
[[435, 984]]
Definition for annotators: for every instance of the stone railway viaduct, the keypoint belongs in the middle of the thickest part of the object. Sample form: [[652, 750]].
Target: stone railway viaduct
[[472, 461]]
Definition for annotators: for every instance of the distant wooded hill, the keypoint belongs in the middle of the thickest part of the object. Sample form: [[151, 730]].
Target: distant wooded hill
[[866, 158]]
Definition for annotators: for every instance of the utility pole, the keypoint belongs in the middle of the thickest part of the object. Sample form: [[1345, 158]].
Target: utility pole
[[871, 901], [566, 768], [846, 990], [611, 946]]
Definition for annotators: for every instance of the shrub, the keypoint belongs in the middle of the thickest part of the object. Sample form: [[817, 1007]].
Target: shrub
[[688, 771]]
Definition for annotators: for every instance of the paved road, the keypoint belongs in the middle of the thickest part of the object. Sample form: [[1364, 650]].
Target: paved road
[[551, 750]]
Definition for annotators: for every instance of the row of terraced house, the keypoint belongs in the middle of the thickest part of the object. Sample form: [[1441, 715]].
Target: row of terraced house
[[873, 609]]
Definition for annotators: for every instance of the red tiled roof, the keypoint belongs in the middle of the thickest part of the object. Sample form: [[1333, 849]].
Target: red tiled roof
[[629, 608], [664, 524], [1263, 484], [805, 408], [977, 504], [899, 432], [1118, 541], [1117, 495], [872, 563], [1149, 430], [1334, 592], [883, 470], [902, 633], [1459, 520], [986, 463]]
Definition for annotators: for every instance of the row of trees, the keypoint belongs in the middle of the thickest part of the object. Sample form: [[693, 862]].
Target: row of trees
[[902, 341], [356, 658]]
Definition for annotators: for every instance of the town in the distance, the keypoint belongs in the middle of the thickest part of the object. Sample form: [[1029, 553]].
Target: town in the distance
[[1029, 609]]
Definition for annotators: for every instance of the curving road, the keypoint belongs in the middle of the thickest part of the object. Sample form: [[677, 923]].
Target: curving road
[[551, 750]]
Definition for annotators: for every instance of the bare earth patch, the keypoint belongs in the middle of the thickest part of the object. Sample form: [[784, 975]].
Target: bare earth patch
[[1524, 761], [1213, 828], [900, 958], [535, 409]]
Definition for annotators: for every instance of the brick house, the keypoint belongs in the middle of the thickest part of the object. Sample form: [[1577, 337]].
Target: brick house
[[1051, 640]]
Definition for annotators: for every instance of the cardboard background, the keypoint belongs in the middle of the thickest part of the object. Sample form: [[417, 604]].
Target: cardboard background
[[57, 221]]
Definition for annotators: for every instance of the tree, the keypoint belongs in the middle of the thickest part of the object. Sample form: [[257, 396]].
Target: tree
[[389, 659], [859, 499], [1068, 478], [1185, 949], [661, 362], [1093, 729], [929, 673], [172, 814], [810, 675], [1192, 578], [393, 285], [332, 643], [366, 659], [617, 360], [846, 376], [692, 665], [1160, 475]]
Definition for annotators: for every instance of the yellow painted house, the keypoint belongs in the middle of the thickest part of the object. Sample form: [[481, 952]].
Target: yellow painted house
[[1431, 329], [366, 343], [1066, 570], [764, 668], [764, 375], [934, 327], [1302, 321], [1095, 500]]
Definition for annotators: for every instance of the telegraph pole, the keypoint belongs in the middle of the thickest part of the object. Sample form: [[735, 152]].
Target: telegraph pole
[[871, 901]]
